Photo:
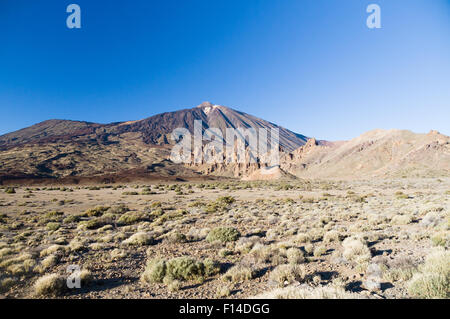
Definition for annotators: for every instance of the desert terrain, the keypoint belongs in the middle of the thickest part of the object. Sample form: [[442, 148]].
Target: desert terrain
[[363, 218], [302, 238]]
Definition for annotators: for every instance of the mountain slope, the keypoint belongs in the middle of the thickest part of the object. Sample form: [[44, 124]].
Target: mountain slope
[[378, 153], [73, 149], [156, 129]]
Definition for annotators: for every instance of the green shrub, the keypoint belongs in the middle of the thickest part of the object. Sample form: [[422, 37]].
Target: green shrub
[[120, 209], [129, 218], [433, 279], [401, 195], [10, 190], [176, 237], [140, 239], [94, 223], [130, 193], [53, 215], [440, 239], [147, 191], [156, 204], [185, 268], [226, 199], [223, 234], [53, 226], [71, 219], [181, 268], [155, 271], [220, 204], [95, 212]]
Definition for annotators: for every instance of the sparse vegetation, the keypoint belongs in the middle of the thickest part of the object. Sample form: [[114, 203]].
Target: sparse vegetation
[[236, 239]]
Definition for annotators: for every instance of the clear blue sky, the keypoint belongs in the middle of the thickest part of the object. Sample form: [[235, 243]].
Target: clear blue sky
[[309, 65]]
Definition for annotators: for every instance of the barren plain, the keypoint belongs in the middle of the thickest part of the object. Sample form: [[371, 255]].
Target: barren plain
[[228, 239]]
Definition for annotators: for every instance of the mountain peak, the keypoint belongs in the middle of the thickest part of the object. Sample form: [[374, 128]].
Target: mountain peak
[[205, 104]]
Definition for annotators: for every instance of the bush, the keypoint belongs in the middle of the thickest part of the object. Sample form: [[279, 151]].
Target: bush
[[319, 251], [332, 236], [226, 200], [129, 218], [239, 273], [120, 209], [95, 212], [130, 193], [49, 261], [53, 226], [7, 283], [400, 269], [401, 220], [295, 256], [440, 239], [176, 237], [356, 250], [10, 190], [49, 285], [220, 204], [184, 268], [71, 219], [140, 239], [223, 234], [181, 268], [223, 291], [433, 279], [308, 292], [174, 285], [94, 223], [287, 274], [52, 249], [155, 271]]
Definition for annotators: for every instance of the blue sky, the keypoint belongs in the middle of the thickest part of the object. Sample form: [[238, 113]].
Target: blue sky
[[309, 65]]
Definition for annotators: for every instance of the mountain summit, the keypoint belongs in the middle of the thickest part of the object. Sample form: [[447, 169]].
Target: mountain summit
[[66, 149], [156, 129]]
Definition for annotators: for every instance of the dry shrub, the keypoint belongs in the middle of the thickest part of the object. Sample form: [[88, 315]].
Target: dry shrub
[[239, 273], [356, 250], [50, 285], [287, 274], [308, 292], [139, 239], [433, 279]]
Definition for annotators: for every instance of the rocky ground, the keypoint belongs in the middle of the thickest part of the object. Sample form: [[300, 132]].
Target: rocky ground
[[299, 239]]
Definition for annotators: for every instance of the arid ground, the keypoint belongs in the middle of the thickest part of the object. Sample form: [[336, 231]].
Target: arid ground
[[297, 239]]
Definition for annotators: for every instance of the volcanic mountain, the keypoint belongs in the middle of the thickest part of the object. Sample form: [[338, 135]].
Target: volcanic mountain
[[73, 151], [63, 151]]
